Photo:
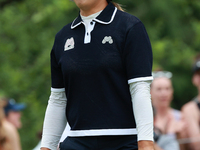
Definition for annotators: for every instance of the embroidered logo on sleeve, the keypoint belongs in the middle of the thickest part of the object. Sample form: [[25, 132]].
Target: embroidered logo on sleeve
[[107, 39], [69, 44]]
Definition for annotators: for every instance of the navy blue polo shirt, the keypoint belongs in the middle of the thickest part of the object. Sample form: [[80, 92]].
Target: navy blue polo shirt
[[96, 75]]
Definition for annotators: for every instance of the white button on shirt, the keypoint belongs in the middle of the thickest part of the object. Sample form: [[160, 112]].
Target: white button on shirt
[[89, 26]]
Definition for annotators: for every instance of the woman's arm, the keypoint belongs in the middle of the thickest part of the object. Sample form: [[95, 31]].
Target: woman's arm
[[142, 107], [55, 119], [156, 147], [146, 145], [44, 148]]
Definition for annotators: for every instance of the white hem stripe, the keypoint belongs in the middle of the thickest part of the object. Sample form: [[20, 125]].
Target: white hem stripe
[[102, 132], [140, 79]]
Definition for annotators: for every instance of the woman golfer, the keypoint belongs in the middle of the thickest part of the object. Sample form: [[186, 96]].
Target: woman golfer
[[101, 66]]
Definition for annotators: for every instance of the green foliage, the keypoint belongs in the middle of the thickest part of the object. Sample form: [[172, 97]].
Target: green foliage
[[28, 28], [27, 33]]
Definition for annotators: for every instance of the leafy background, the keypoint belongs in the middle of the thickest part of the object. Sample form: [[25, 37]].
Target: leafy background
[[28, 28]]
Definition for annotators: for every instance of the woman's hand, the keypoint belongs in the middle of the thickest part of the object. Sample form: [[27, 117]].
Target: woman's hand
[[43, 148], [156, 147], [145, 145]]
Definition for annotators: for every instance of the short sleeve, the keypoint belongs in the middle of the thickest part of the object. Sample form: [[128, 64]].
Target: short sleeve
[[137, 54], [56, 72]]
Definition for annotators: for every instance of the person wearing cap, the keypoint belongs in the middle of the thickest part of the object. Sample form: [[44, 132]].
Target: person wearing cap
[[9, 136], [101, 67], [191, 113], [13, 112]]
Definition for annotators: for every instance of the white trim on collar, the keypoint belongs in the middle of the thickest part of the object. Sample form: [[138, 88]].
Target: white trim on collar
[[97, 20], [72, 27]]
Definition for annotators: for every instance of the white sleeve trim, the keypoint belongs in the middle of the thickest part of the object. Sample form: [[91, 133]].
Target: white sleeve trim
[[55, 120], [57, 89], [142, 108], [140, 79]]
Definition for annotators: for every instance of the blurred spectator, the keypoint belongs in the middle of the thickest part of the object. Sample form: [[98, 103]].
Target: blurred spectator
[[9, 137], [13, 112], [191, 113], [157, 132], [167, 120]]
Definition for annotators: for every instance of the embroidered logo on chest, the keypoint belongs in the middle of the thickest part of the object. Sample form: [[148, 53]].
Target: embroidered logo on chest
[[69, 44], [107, 39]]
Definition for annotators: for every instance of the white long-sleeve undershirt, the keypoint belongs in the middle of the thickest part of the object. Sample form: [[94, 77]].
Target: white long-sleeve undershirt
[[142, 108], [55, 119]]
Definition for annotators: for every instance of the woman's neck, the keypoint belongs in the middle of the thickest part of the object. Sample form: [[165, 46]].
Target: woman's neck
[[162, 111], [93, 8]]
